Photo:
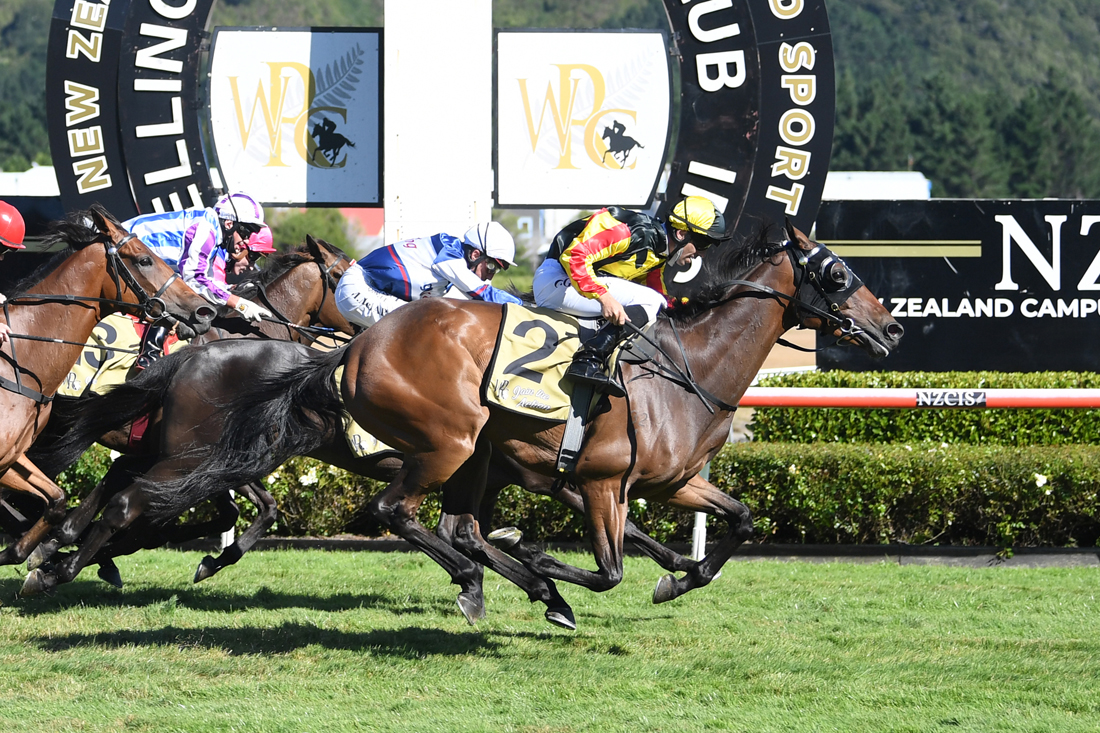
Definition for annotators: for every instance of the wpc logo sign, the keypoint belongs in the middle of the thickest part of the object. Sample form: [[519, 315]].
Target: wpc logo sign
[[604, 137], [581, 117], [295, 117]]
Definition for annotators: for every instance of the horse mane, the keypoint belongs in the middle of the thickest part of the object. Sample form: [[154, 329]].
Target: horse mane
[[73, 233], [277, 265], [729, 260]]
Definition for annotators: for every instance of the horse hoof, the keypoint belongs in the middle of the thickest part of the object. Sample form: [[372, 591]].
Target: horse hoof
[[205, 570], [37, 582], [472, 608], [665, 590], [563, 617], [37, 558], [110, 574], [505, 537]]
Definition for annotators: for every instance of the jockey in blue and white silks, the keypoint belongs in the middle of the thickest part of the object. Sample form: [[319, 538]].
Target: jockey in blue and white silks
[[427, 267]]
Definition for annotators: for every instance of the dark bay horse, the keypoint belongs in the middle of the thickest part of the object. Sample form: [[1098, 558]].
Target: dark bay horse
[[106, 270], [299, 287], [414, 380]]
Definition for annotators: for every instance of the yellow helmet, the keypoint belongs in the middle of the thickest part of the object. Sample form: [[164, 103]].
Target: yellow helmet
[[700, 216]]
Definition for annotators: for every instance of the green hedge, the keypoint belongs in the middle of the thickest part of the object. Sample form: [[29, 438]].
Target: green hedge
[[798, 493], [974, 426], [916, 493]]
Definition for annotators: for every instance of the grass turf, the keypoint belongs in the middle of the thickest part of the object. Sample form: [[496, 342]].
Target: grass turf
[[316, 641]]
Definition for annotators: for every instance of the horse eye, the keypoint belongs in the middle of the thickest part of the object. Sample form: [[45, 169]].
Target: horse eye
[[838, 273], [145, 261]]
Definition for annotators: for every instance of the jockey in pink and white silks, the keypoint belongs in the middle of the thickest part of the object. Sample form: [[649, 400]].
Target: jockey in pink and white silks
[[427, 267], [199, 243]]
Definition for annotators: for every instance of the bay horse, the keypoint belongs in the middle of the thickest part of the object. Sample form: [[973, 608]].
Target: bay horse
[[105, 270], [299, 288], [649, 444]]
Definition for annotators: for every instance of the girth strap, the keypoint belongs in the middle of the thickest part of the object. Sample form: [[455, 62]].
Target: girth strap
[[27, 392]]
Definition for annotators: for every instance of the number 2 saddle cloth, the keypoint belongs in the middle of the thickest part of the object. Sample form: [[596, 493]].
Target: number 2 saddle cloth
[[534, 348]]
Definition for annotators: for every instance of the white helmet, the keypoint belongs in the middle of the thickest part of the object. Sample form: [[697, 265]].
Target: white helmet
[[240, 207], [492, 239]]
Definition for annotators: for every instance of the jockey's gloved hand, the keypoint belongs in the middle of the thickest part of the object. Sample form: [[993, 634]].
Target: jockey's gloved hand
[[251, 311]]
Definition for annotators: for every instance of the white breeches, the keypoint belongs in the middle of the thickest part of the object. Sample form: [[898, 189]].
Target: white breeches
[[553, 289], [359, 302]]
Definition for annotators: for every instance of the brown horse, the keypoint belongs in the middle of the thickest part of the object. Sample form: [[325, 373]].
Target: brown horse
[[414, 381], [298, 287], [107, 271]]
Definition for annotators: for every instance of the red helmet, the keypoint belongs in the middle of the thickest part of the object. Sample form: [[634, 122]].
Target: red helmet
[[12, 227]]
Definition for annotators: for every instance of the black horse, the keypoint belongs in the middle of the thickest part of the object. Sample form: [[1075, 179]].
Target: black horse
[[329, 142]]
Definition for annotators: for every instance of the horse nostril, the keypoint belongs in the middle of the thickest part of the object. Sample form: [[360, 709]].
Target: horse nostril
[[895, 331], [205, 313]]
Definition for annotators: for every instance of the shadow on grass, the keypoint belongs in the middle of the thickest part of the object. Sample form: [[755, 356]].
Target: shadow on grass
[[407, 643], [96, 594]]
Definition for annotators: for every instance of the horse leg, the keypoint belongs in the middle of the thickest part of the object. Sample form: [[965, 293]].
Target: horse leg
[[121, 511], [605, 516], [462, 500], [671, 561], [121, 474], [267, 512], [702, 496], [225, 518], [395, 507], [26, 477]]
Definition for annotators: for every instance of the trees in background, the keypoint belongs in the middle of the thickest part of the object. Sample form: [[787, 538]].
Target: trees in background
[[968, 144]]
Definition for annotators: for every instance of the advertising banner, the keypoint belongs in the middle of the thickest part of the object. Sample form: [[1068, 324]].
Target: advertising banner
[[159, 113], [295, 115], [82, 105], [757, 101], [1010, 285], [582, 117]]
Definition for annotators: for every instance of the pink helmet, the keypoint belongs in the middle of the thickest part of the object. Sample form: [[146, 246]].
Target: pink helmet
[[261, 242]]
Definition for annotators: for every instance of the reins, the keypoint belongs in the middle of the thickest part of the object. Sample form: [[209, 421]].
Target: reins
[[686, 379], [307, 331]]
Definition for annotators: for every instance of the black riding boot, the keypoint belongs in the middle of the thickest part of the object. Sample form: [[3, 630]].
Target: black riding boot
[[153, 348], [590, 362]]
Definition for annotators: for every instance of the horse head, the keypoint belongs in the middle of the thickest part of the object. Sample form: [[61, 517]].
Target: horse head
[[830, 298], [135, 275], [333, 264]]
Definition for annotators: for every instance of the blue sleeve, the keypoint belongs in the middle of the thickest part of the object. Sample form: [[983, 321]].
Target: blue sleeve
[[450, 264]]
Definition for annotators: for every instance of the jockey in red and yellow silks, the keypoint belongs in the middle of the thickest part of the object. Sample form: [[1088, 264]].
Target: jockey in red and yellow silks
[[609, 265], [615, 242]]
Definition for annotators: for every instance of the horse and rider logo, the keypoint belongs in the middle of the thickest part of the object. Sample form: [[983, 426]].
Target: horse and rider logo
[[619, 144], [329, 143]]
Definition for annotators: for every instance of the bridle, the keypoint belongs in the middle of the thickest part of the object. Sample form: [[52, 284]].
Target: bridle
[[329, 283], [823, 283]]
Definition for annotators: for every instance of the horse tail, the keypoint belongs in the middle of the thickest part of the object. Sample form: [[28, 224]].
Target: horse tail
[[77, 422], [289, 412]]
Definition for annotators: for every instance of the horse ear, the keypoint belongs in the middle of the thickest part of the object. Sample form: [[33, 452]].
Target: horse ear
[[104, 222], [789, 228], [314, 249]]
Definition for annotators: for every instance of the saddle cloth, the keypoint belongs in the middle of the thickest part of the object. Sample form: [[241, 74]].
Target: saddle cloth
[[101, 365], [527, 373], [362, 443]]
